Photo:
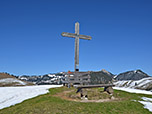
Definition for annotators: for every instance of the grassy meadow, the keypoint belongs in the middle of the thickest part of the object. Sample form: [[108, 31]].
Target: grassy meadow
[[54, 103]]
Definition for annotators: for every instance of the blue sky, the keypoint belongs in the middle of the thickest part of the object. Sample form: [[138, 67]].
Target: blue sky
[[31, 41]]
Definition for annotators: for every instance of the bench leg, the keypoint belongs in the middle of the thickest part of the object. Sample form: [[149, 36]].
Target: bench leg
[[109, 90], [83, 94]]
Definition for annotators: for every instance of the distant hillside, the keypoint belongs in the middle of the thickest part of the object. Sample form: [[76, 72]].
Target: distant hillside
[[6, 75], [100, 77], [10, 80], [47, 79], [144, 84], [131, 75]]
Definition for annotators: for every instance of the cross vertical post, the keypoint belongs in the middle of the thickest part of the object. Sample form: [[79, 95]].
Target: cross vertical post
[[77, 47]]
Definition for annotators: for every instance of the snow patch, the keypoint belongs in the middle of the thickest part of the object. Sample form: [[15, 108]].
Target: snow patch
[[115, 76], [147, 99], [12, 80], [135, 71], [147, 103], [13, 95], [142, 84], [130, 90], [51, 75]]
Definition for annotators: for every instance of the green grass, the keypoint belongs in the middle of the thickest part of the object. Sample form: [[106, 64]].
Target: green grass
[[50, 104]]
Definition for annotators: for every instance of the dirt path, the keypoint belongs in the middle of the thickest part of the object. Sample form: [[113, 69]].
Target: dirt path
[[63, 95]]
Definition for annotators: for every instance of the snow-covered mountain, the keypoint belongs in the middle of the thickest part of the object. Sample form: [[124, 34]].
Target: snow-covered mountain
[[134, 79], [144, 84], [44, 79], [59, 78]]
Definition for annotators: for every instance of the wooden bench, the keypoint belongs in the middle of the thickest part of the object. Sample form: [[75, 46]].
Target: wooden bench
[[107, 87]]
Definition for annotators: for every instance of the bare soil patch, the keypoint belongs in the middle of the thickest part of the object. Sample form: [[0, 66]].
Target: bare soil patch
[[94, 95]]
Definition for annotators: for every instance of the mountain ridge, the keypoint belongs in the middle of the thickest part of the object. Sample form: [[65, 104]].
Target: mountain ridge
[[58, 78], [131, 75]]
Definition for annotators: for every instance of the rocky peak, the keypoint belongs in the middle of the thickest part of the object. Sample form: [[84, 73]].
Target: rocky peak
[[132, 75], [108, 73]]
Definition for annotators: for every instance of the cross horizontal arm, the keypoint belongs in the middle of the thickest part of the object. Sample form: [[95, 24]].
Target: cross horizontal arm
[[85, 37], [73, 35], [66, 34]]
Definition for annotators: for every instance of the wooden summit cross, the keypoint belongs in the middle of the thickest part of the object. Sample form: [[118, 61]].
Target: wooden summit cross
[[76, 35]]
